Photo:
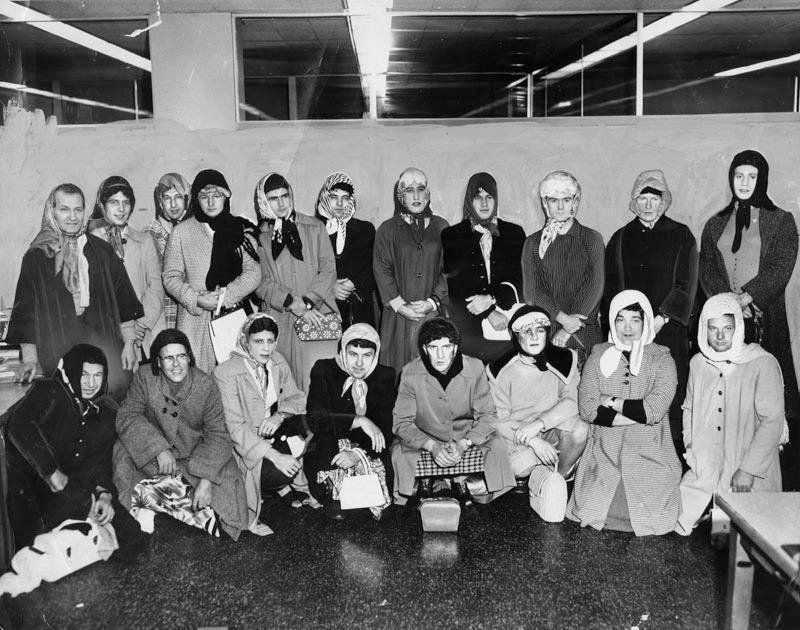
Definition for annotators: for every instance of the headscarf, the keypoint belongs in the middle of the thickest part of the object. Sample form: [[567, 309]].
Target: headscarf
[[167, 182], [417, 221], [655, 180], [335, 225], [759, 198], [232, 235], [557, 360], [66, 249], [70, 369], [739, 352], [359, 385], [284, 230], [610, 359], [110, 187], [450, 332], [258, 371], [476, 183], [552, 183]]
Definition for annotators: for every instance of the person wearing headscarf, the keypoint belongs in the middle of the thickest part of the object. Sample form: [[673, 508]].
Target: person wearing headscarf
[[445, 419], [171, 203], [350, 403], [210, 264], [352, 241], [481, 260], [59, 439], [112, 212], [733, 415], [628, 476], [535, 390], [73, 288], [562, 266], [407, 261], [261, 401], [658, 256], [298, 273], [750, 249], [172, 435]]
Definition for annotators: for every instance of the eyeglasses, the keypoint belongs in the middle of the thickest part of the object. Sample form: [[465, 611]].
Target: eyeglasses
[[214, 196], [410, 190], [174, 360]]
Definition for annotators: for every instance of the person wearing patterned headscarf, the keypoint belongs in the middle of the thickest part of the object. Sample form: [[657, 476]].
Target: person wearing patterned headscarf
[[73, 288], [407, 261], [733, 415], [352, 241], [481, 260], [112, 212]]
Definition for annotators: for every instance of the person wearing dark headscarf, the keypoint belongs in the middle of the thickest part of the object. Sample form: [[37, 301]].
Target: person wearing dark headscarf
[[407, 261], [73, 288], [750, 248], [210, 261], [352, 241], [535, 390], [298, 273], [445, 418], [112, 211], [59, 441], [658, 256], [481, 260], [171, 202]]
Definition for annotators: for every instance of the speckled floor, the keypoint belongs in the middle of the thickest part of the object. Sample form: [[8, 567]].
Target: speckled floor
[[504, 569]]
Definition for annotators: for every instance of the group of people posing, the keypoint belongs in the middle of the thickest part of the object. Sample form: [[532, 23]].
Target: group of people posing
[[490, 360]]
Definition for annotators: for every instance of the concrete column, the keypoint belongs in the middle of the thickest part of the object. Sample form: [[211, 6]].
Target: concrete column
[[193, 69]]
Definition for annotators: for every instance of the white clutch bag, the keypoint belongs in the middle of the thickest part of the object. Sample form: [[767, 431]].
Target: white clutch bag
[[548, 493], [501, 335]]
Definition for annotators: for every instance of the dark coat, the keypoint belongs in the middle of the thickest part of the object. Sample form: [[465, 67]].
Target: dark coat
[[355, 263], [466, 276]]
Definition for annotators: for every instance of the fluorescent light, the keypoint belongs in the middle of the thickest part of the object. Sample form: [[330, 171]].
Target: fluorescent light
[[18, 87], [684, 15], [562, 104], [371, 29], [45, 23], [759, 66]]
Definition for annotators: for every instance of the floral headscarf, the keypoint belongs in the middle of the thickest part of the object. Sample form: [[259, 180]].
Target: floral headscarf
[[324, 212], [167, 182]]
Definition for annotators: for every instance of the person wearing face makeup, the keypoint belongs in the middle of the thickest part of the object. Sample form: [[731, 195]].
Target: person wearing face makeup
[[733, 415], [481, 257], [73, 288], [407, 262], [171, 201], [210, 261], [562, 266], [658, 256], [750, 248], [628, 476], [298, 273], [352, 241], [112, 212]]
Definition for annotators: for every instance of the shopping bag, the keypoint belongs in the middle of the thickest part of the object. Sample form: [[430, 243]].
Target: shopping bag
[[361, 491], [489, 331], [224, 331]]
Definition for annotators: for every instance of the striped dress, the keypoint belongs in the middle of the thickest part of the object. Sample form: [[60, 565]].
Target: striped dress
[[640, 457]]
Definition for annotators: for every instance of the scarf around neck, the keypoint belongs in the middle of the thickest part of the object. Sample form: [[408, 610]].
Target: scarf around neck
[[284, 229], [359, 385], [334, 225], [611, 357]]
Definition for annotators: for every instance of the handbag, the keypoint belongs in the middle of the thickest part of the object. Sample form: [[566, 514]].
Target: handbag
[[224, 331], [361, 491], [548, 493], [329, 330], [489, 331]]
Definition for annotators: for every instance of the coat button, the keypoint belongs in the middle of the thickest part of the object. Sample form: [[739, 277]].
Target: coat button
[[719, 409], [164, 410], [719, 428], [626, 374], [419, 275], [720, 392], [626, 382], [174, 414]]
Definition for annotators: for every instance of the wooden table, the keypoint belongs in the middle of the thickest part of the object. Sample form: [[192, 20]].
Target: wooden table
[[760, 523]]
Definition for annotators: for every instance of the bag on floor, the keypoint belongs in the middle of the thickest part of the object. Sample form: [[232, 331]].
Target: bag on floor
[[548, 493], [361, 491], [440, 514]]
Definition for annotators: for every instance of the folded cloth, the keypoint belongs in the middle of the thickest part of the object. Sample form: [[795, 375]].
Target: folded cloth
[[171, 495]]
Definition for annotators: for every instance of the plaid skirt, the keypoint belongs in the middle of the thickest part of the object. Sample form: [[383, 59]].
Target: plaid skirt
[[471, 462]]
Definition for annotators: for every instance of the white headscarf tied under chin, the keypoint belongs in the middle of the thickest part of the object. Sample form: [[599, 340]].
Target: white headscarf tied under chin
[[739, 352], [610, 359], [359, 385]]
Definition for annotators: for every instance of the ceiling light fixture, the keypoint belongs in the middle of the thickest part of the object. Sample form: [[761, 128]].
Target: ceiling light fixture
[[759, 66], [371, 30], [46, 23]]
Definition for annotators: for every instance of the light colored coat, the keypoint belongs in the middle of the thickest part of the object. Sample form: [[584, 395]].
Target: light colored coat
[[186, 262], [731, 421], [245, 410], [423, 410]]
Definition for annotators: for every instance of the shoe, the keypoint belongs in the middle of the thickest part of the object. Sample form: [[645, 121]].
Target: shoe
[[521, 487], [260, 529], [461, 493], [333, 513]]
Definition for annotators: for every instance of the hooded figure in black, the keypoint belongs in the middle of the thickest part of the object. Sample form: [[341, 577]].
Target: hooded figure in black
[[59, 441], [750, 248]]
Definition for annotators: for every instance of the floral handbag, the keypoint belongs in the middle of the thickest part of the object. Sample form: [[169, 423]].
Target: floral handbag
[[329, 330]]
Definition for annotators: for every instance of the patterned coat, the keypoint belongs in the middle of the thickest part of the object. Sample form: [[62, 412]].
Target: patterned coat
[[160, 230], [190, 422], [186, 262], [640, 456]]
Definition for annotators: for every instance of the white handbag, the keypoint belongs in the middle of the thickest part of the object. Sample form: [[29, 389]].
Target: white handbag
[[361, 491], [489, 331], [224, 332], [548, 493]]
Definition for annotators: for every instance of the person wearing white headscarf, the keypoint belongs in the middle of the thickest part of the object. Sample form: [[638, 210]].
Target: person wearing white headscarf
[[350, 403], [259, 395], [628, 476], [733, 415]]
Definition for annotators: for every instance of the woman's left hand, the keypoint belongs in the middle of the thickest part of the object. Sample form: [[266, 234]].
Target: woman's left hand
[[270, 425], [202, 495], [345, 459], [314, 317], [561, 338]]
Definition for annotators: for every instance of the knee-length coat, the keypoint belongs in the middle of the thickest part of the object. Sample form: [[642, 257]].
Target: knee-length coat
[[355, 263], [191, 423]]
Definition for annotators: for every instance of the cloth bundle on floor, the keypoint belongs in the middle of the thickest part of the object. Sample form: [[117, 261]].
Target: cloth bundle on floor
[[170, 495]]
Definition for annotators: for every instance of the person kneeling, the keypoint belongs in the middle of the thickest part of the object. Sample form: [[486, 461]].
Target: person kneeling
[[445, 418], [733, 415]]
